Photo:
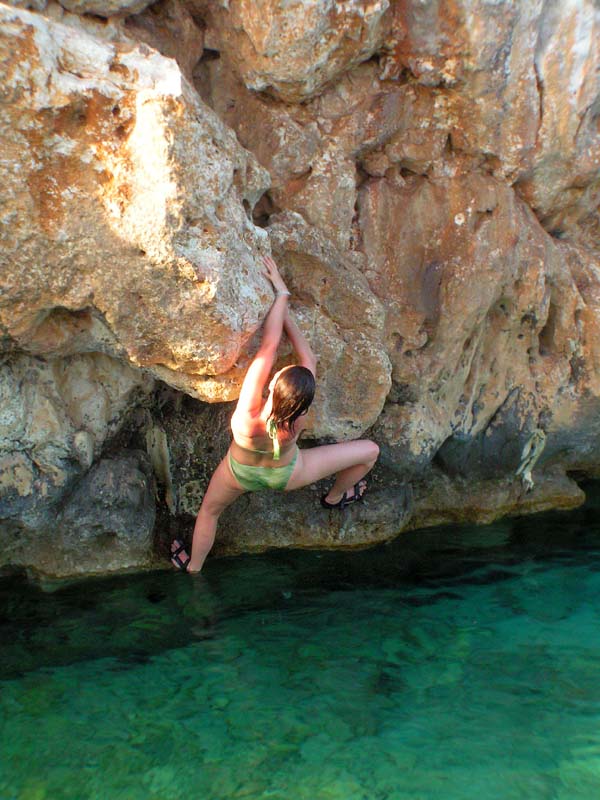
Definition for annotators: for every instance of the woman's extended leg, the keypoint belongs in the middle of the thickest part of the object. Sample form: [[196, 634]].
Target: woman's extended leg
[[222, 490], [350, 460]]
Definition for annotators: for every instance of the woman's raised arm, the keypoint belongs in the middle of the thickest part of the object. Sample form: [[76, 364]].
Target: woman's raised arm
[[300, 344], [250, 399]]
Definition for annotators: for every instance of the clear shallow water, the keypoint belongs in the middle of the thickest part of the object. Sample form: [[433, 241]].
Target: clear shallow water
[[456, 663]]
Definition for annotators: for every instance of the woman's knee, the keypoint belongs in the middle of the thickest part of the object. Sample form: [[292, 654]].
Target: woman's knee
[[372, 451], [211, 509]]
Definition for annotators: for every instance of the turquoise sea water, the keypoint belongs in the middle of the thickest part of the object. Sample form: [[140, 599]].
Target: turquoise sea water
[[455, 663]]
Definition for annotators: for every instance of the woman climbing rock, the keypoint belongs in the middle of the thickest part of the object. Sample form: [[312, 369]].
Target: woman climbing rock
[[264, 453]]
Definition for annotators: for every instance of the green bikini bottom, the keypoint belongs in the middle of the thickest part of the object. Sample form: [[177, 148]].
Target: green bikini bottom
[[253, 479]]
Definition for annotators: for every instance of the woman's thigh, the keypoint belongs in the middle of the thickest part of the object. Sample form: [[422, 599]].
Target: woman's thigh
[[222, 490], [319, 462]]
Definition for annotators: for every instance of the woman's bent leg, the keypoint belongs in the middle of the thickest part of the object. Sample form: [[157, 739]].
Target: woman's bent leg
[[350, 461], [222, 490]]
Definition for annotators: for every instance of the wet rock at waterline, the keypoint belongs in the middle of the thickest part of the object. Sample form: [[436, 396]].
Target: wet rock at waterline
[[108, 520], [428, 180], [386, 508], [106, 524]]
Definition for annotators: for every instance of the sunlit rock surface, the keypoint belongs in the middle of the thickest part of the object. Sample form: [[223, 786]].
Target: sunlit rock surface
[[124, 202], [426, 174]]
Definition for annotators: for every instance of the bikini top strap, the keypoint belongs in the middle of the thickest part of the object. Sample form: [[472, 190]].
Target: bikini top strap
[[272, 431]]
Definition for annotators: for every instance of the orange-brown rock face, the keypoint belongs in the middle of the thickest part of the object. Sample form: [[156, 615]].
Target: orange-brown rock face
[[124, 205], [522, 85], [346, 332], [428, 177], [295, 49], [481, 305]]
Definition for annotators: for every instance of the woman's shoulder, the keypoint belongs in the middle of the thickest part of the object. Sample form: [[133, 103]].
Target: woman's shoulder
[[245, 424]]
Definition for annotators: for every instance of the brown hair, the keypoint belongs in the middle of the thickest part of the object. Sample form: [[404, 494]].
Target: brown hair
[[292, 395]]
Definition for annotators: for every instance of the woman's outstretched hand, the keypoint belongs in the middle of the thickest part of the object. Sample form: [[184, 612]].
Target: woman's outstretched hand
[[272, 273]]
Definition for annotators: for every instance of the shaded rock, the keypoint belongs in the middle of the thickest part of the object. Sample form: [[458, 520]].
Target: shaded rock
[[157, 447], [198, 436], [108, 520], [495, 451], [169, 27], [106, 8], [297, 520], [105, 524], [443, 500], [190, 497], [54, 420], [123, 204]]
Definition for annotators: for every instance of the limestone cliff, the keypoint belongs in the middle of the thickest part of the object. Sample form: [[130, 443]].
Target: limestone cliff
[[427, 175]]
